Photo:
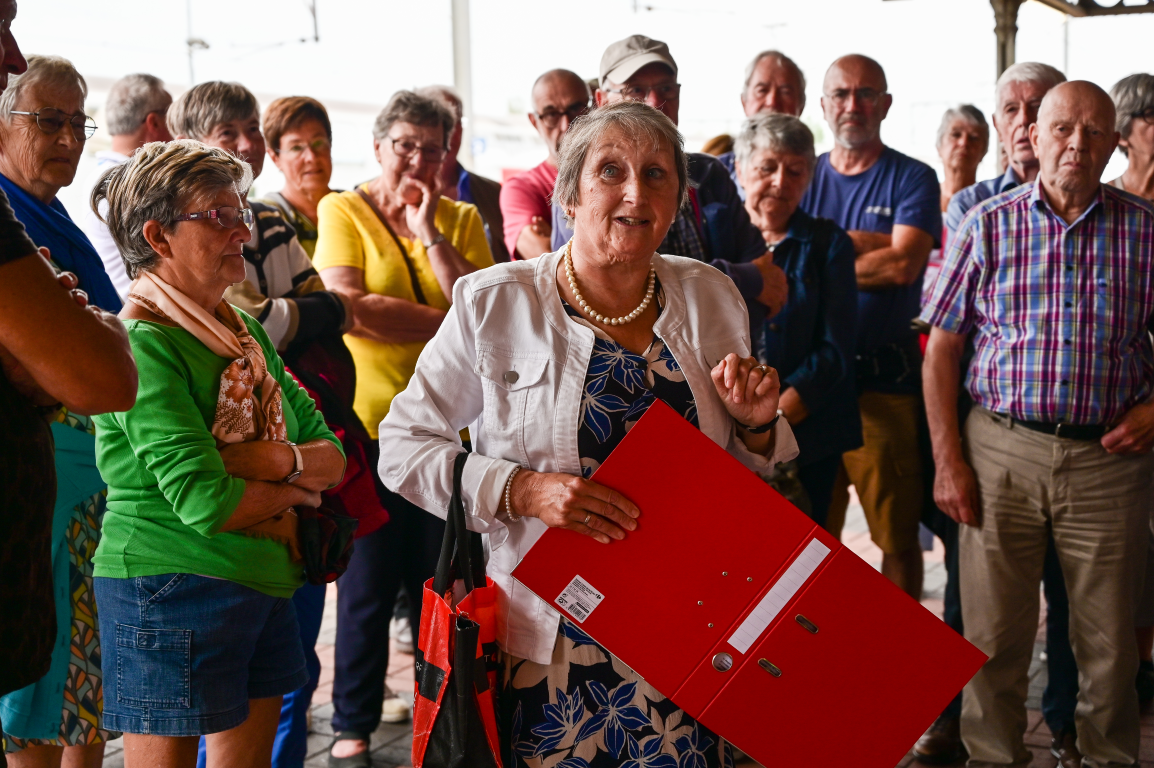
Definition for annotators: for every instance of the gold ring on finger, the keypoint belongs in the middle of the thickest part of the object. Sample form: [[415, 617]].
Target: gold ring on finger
[[763, 368], [588, 517]]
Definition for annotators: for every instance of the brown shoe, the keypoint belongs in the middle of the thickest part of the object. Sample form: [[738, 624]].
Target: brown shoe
[[1065, 748], [941, 744]]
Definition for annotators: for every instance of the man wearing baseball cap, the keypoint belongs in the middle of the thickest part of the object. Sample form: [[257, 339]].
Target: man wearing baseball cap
[[714, 226]]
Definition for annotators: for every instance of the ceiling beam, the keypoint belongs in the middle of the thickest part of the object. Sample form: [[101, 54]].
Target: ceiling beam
[[1091, 8]]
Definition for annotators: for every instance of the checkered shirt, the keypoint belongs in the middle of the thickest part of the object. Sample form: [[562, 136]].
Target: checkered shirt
[[1060, 314]]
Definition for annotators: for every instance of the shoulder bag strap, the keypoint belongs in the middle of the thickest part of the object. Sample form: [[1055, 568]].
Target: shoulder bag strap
[[420, 294]]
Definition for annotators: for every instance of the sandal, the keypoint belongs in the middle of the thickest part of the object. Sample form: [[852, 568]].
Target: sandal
[[359, 760]]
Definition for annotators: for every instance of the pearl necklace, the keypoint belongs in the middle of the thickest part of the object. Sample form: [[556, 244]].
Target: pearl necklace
[[584, 305]]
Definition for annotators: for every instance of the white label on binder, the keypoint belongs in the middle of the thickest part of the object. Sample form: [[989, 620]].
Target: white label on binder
[[778, 595], [579, 599]]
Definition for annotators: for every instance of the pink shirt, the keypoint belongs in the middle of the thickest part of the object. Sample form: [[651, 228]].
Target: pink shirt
[[523, 197]]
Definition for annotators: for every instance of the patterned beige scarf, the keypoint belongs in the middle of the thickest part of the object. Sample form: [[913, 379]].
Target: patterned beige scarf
[[249, 406]]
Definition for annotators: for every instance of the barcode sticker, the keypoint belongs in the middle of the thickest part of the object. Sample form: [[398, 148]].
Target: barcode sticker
[[579, 599]]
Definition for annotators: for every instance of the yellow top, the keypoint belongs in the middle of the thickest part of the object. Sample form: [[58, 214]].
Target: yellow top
[[349, 234]]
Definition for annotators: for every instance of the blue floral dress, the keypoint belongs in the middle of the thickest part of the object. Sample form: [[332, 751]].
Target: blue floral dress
[[586, 709]]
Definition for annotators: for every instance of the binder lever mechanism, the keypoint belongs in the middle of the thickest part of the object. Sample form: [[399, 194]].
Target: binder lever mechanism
[[768, 667], [808, 625]]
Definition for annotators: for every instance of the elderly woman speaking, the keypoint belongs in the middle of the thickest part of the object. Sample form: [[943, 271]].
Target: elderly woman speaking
[[199, 560], [550, 361]]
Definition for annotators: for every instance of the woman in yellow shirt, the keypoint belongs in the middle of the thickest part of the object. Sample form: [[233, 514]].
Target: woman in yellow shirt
[[396, 246]]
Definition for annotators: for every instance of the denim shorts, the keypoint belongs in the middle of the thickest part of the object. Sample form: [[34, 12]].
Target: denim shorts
[[183, 654]]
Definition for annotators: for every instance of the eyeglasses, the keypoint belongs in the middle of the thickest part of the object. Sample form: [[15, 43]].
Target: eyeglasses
[[319, 147], [1146, 114], [667, 92], [227, 216], [552, 116], [840, 96], [51, 120], [406, 148]]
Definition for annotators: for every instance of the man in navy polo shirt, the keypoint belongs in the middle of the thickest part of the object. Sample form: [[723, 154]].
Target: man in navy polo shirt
[[890, 206]]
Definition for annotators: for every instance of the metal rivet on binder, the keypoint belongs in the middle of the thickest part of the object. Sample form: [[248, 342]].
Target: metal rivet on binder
[[806, 623], [770, 668], [722, 662], [511, 377], [749, 578], [725, 573], [700, 602], [711, 625]]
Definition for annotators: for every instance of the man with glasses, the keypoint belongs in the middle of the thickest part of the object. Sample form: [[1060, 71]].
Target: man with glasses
[[890, 205], [774, 83], [135, 114], [559, 97], [714, 226]]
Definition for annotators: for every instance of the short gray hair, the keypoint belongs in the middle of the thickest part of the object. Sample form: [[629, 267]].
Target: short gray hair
[[445, 94], [156, 182], [1132, 95], [775, 132], [54, 70], [411, 107], [1027, 72], [131, 100], [968, 113], [636, 120], [203, 107], [787, 61]]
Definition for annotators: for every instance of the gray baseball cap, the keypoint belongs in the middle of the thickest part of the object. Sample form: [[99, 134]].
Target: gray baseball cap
[[623, 58]]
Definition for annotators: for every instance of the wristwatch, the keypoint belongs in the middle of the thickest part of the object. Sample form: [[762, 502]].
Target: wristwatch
[[300, 463]]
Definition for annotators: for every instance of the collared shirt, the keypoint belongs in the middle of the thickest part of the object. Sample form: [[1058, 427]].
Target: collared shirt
[[963, 201], [1060, 313]]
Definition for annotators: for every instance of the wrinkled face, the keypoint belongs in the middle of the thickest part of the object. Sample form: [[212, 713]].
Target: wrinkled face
[[963, 146], [203, 252], [774, 183], [557, 102], [1017, 111], [855, 102], [658, 83], [242, 138], [1140, 142], [774, 87], [11, 59], [628, 196], [1074, 138], [305, 157], [410, 153], [37, 157]]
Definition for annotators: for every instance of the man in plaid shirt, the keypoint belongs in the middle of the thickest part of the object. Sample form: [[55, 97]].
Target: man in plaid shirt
[[1054, 280]]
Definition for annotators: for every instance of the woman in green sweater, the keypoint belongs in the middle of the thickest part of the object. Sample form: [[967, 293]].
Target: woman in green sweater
[[199, 558]]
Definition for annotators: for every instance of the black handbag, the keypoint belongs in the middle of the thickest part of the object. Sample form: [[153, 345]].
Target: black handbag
[[326, 540]]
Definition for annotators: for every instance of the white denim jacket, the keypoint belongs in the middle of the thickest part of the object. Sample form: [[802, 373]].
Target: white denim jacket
[[509, 364]]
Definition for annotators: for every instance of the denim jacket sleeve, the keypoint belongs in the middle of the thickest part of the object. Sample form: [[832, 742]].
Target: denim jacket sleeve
[[730, 236], [822, 374]]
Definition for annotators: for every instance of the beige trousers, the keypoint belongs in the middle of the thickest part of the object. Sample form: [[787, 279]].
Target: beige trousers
[[1097, 506]]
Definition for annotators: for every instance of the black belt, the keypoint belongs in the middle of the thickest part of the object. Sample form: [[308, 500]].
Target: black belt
[[889, 364], [1061, 429]]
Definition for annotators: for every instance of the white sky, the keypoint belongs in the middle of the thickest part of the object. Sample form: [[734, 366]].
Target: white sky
[[935, 52]]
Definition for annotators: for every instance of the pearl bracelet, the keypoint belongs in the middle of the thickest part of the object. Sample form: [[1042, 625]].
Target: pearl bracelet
[[513, 517]]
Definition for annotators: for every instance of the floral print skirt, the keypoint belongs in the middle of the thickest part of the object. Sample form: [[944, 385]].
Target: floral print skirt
[[83, 693], [585, 709]]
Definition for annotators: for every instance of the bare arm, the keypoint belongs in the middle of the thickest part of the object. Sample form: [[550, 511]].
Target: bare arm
[[955, 488], [386, 319], [271, 461], [885, 261], [534, 239], [447, 262], [793, 408], [263, 500], [79, 356]]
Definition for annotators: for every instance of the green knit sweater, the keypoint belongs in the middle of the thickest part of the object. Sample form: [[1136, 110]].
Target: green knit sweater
[[168, 492]]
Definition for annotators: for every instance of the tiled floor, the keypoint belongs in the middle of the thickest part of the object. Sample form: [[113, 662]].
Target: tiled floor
[[391, 743]]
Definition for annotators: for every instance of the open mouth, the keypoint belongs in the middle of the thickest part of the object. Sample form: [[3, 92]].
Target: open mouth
[[630, 221]]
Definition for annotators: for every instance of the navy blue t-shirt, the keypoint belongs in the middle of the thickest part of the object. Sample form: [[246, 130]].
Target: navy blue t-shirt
[[897, 189]]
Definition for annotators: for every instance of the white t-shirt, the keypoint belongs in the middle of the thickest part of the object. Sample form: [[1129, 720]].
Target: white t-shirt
[[97, 230]]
